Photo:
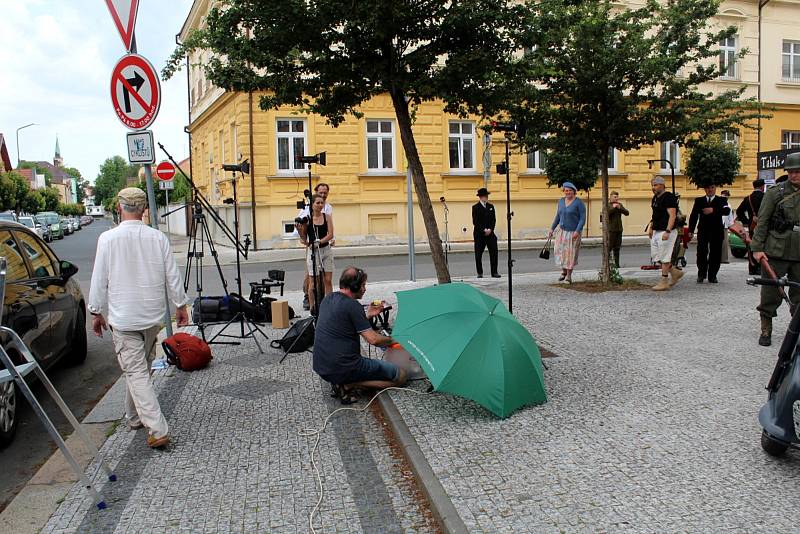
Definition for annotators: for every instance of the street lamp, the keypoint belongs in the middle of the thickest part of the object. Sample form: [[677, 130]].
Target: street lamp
[[18, 129]]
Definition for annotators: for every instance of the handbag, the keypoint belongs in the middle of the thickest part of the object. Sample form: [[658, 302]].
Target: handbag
[[545, 252]]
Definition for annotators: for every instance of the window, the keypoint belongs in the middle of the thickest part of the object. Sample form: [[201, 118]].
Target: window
[[537, 160], [727, 58], [234, 143], [462, 143], [791, 61], [612, 159], [670, 151], [291, 143], [43, 265], [730, 137], [222, 154], [790, 139], [15, 265], [380, 145]]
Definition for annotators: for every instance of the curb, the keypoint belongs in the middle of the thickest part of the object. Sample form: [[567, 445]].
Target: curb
[[442, 507]]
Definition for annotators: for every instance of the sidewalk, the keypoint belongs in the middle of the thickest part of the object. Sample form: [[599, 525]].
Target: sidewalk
[[650, 426]]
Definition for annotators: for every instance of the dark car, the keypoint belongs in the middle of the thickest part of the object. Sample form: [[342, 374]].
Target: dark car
[[44, 305]]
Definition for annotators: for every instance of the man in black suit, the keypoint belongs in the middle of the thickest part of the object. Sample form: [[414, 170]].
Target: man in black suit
[[706, 216], [747, 212], [483, 223]]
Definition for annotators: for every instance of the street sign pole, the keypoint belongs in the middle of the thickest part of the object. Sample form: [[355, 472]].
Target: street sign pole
[[166, 192], [151, 198]]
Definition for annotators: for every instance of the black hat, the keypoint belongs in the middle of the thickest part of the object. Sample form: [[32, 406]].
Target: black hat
[[482, 192]]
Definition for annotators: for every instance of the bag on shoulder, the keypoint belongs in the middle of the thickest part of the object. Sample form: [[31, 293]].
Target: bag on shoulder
[[299, 337], [187, 352], [545, 252]]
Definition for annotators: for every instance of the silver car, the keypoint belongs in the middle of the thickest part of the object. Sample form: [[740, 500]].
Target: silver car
[[31, 223]]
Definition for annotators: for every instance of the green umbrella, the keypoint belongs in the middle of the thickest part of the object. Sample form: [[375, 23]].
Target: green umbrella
[[470, 345]]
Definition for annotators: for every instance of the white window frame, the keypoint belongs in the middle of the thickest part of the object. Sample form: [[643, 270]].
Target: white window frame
[[612, 164], [728, 64], [379, 137], [461, 137], [537, 161], [291, 136], [790, 139], [793, 57], [730, 137], [669, 150]]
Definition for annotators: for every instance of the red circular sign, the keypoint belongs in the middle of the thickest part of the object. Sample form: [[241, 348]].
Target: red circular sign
[[165, 170], [135, 92]]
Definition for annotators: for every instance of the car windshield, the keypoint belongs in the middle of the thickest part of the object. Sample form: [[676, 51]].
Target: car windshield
[[50, 217], [7, 216], [27, 221]]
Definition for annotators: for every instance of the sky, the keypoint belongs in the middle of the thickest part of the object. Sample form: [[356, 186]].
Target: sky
[[56, 59]]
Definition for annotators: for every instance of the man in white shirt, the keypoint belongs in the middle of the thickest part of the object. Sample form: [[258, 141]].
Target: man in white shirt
[[322, 189], [133, 265]]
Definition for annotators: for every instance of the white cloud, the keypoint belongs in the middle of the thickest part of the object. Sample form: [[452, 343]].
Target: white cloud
[[56, 60]]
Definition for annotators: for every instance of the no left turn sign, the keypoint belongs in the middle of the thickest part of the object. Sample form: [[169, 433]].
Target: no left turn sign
[[135, 92]]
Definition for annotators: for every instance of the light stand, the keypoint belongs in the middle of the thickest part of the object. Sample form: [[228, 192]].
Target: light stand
[[446, 230], [504, 168], [240, 316]]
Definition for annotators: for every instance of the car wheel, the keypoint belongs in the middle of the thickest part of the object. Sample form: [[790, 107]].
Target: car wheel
[[738, 252], [79, 348], [772, 446], [9, 397]]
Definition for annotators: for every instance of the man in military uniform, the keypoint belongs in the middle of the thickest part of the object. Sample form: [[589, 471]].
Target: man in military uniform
[[777, 238]]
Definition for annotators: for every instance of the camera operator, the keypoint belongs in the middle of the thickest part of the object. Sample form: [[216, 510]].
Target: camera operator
[[321, 189], [317, 231], [337, 349], [777, 238]]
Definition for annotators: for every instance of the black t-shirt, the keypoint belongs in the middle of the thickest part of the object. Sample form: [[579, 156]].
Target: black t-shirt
[[660, 213], [337, 348]]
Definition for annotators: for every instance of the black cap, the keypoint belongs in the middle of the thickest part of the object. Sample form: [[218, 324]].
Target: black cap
[[483, 192]]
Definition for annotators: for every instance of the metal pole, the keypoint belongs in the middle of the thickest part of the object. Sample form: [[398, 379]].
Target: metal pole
[[151, 197], [508, 217], [18, 129], [412, 264]]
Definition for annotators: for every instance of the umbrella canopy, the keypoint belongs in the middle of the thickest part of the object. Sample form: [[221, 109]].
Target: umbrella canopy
[[470, 345]]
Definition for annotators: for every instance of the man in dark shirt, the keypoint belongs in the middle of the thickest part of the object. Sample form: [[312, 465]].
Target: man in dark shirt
[[747, 212], [706, 216], [337, 347], [483, 223], [662, 233], [615, 212]]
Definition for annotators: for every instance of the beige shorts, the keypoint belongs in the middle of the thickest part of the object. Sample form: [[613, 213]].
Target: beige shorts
[[661, 250], [324, 260]]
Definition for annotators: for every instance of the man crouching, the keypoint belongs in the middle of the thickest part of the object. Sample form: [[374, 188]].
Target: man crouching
[[337, 349]]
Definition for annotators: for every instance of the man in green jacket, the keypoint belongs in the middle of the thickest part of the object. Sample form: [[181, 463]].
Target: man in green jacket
[[777, 238], [615, 212]]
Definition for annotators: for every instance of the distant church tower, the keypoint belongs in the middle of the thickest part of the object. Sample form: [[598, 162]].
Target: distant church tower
[[58, 161]]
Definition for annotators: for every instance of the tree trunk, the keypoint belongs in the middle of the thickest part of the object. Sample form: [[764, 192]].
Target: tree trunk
[[421, 187], [605, 271]]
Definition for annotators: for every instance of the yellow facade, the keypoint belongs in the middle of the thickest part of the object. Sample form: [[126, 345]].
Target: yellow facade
[[370, 205]]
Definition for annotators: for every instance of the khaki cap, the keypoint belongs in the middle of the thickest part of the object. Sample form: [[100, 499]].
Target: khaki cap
[[133, 197]]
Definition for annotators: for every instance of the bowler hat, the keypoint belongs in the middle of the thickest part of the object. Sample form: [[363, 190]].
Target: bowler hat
[[483, 192], [792, 162]]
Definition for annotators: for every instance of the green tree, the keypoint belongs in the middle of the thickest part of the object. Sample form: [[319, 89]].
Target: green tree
[[33, 202], [712, 162], [48, 176], [113, 176], [50, 198], [566, 163], [600, 76], [331, 56]]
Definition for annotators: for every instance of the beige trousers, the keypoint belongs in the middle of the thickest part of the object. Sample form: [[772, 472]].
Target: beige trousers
[[135, 352]]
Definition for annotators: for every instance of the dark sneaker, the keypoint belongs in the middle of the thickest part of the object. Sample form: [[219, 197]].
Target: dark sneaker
[[495, 275], [765, 340]]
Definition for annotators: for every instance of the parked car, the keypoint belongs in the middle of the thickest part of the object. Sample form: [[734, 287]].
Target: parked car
[[44, 305], [8, 216], [54, 223], [47, 235], [76, 223], [67, 225], [86, 220], [31, 223]]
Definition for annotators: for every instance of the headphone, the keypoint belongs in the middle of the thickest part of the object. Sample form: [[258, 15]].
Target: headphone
[[355, 285]]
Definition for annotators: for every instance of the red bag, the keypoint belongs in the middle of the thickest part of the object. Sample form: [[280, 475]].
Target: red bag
[[187, 352]]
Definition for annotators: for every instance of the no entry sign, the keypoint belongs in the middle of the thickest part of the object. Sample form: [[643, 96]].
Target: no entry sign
[[135, 92], [165, 170]]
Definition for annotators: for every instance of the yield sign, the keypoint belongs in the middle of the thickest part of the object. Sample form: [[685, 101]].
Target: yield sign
[[135, 91], [165, 170], [123, 12]]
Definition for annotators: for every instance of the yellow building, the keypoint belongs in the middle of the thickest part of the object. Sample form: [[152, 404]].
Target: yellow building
[[366, 168]]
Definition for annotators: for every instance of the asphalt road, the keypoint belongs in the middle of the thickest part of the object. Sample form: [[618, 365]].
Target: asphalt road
[[81, 386]]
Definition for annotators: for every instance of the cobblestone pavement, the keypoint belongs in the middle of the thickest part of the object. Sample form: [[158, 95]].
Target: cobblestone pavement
[[237, 463], [651, 423]]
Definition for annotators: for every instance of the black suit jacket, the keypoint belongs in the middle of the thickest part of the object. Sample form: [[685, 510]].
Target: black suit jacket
[[745, 212], [709, 225], [482, 218]]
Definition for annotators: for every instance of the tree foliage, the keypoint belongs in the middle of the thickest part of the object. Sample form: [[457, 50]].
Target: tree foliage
[[71, 209], [566, 163], [596, 76], [50, 198], [182, 190], [331, 56], [113, 176], [48, 176], [712, 162]]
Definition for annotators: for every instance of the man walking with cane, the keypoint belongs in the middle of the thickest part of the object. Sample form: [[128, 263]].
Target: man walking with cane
[[132, 268]]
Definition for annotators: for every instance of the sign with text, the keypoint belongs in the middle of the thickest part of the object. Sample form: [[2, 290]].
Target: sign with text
[[135, 92], [141, 148], [166, 185]]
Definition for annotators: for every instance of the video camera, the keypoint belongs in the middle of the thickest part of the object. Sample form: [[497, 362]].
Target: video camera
[[243, 167]]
